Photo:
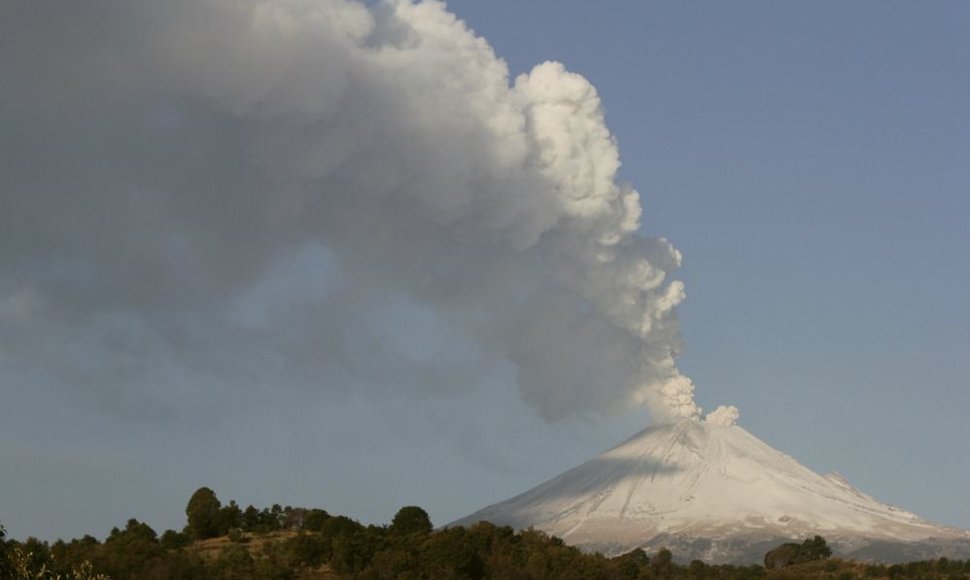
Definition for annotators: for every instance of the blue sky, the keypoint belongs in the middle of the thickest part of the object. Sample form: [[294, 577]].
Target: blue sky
[[812, 163]]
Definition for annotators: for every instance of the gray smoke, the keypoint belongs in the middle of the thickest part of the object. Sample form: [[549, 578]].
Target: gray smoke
[[321, 193]]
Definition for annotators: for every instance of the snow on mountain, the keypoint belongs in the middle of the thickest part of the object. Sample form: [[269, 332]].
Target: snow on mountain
[[717, 493]]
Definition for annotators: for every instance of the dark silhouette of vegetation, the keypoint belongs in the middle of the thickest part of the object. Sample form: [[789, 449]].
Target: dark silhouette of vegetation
[[4, 561], [172, 540], [411, 520], [314, 519], [203, 513], [790, 554], [287, 543]]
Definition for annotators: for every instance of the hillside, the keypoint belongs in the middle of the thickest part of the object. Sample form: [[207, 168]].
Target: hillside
[[285, 543], [717, 493]]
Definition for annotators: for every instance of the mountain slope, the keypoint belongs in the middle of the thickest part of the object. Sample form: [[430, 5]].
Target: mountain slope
[[717, 493]]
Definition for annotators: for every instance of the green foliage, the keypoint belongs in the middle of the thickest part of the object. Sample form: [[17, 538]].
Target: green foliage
[[782, 556], [26, 564], [275, 518], [172, 540], [203, 513], [407, 549], [271, 569], [628, 565], [662, 565], [411, 520], [789, 554], [4, 559], [129, 553], [353, 551], [314, 518], [816, 549], [234, 563], [308, 549], [227, 518], [250, 519], [449, 554]]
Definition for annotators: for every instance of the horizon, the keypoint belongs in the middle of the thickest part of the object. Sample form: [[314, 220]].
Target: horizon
[[184, 302]]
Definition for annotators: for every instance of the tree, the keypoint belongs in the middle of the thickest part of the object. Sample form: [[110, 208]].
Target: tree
[[203, 514], [4, 563], [129, 553], [172, 540], [662, 564], [250, 519], [628, 565], [816, 549], [234, 562], [411, 520], [229, 517], [293, 518], [791, 553], [313, 520], [135, 529]]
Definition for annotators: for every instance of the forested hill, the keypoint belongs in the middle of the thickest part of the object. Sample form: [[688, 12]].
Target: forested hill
[[286, 543]]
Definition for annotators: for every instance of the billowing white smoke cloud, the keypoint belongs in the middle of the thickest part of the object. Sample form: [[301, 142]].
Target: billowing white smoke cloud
[[183, 154], [723, 416]]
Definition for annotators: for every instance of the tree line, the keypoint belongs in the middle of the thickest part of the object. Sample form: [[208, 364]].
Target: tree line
[[226, 542]]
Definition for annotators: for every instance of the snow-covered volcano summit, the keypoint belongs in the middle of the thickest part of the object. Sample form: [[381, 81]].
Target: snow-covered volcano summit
[[716, 493]]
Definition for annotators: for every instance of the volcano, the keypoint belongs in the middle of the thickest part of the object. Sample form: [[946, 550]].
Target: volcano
[[719, 494]]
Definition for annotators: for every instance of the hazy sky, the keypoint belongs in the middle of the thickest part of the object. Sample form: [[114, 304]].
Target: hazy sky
[[304, 253]]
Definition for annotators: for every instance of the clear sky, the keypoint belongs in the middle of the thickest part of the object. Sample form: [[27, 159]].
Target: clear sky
[[811, 162]]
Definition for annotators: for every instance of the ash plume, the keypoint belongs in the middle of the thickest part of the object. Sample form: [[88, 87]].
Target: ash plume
[[276, 191]]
